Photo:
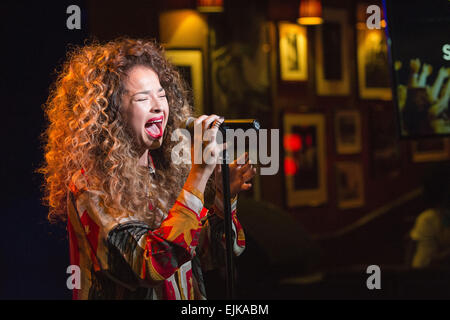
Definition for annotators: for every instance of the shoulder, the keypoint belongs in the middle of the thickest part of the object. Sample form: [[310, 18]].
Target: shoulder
[[430, 216], [88, 204], [78, 183]]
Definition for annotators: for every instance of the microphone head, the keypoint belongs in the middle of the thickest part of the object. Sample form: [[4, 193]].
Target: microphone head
[[244, 124]]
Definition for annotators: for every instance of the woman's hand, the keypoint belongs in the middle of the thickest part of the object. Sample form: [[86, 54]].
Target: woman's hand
[[240, 175], [204, 154]]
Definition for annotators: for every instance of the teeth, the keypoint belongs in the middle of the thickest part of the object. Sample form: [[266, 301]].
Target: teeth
[[156, 121]]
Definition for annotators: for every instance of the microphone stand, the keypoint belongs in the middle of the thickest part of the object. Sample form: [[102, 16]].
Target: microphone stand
[[228, 224], [230, 271]]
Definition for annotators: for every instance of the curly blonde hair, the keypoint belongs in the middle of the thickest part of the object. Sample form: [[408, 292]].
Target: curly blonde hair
[[87, 132]]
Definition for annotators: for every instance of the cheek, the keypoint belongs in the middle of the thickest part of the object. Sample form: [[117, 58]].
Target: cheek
[[133, 120], [166, 116], [137, 115]]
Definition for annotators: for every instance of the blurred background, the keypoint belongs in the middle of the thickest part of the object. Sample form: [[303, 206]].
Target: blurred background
[[347, 193]]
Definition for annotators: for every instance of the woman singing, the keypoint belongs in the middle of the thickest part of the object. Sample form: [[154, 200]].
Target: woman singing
[[137, 224]]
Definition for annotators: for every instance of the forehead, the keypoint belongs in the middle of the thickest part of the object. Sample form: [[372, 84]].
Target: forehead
[[141, 78]]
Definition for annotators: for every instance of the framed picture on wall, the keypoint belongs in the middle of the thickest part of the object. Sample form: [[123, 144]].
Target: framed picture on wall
[[189, 63], [427, 150], [293, 52], [305, 159], [348, 131], [372, 55], [332, 53], [350, 184]]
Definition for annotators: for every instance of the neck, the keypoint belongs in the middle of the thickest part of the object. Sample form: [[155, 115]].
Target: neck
[[143, 160]]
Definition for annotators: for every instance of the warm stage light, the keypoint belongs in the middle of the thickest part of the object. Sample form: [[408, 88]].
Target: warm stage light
[[208, 6], [310, 12]]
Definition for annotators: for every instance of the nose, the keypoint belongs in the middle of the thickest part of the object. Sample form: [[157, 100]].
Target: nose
[[156, 106]]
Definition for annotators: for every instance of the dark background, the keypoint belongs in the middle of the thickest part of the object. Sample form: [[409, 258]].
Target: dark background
[[34, 254]]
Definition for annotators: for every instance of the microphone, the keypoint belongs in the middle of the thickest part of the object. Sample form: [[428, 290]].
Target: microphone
[[243, 124]]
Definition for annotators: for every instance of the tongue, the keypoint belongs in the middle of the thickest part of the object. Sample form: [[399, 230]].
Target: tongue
[[154, 129]]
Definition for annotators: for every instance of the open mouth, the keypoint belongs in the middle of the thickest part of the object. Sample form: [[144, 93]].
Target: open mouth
[[154, 127]]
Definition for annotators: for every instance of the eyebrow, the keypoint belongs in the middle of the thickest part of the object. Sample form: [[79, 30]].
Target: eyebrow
[[148, 91]]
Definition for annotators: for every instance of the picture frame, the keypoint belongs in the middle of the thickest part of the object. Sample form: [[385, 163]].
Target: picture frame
[[332, 53], [429, 150], [350, 184], [372, 61], [305, 159], [347, 127], [293, 52], [189, 63]]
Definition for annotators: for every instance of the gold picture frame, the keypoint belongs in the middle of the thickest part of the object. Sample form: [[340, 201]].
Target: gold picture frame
[[189, 63], [347, 128], [429, 150], [373, 64], [305, 159], [293, 47], [350, 184]]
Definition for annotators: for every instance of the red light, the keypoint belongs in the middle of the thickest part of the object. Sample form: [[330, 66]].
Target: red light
[[292, 142], [290, 167]]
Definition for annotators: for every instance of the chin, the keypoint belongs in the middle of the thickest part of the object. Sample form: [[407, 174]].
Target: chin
[[155, 144]]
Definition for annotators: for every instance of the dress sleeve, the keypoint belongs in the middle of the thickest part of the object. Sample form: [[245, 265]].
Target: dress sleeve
[[130, 252], [212, 245]]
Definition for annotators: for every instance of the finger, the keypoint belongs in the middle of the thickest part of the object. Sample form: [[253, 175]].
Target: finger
[[211, 133], [198, 134], [249, 174], [246, 186], [246, 166], [242, 159], [248, 177], [200, 119], [209, 120], [217, 122], [235, 163]]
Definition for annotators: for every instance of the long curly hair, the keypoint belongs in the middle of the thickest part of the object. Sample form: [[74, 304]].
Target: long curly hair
[[87, 132]]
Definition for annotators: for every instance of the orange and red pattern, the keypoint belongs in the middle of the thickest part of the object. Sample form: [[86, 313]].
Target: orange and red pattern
[[126, 256]]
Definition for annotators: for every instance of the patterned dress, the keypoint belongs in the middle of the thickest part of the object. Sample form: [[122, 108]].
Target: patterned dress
[[126, 259]]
